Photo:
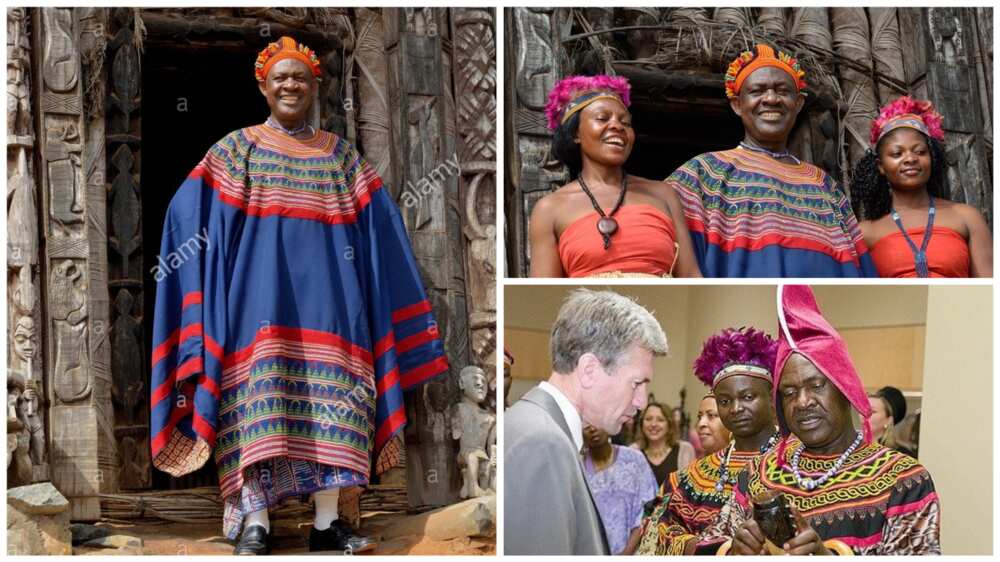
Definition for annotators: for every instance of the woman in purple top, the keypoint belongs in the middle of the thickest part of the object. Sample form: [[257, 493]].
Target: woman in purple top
[[621, 482]]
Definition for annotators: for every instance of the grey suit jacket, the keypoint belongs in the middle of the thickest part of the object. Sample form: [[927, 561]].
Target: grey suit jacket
[[547, 505]]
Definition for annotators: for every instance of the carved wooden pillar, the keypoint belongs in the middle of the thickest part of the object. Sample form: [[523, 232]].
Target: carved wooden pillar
[[426, 167], [952, 85], [130, 391], [373, 95], [28, 460], [887, 50], [533, 66], [67, 50], [475, 75], [852, 40]]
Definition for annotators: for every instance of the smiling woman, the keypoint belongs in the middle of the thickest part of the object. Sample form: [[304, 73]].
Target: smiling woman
[[606, 223]]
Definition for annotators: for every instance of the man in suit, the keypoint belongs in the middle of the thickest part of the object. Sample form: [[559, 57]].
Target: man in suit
[[602, 348]]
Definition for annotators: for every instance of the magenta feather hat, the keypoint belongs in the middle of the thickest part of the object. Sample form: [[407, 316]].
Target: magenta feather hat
[[908, 112], [745, 347], [572, 87]]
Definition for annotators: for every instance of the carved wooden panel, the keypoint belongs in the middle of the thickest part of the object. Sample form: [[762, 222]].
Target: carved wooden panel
[[953, 86], [426, 167], [124, 289], [533, 67], [475, 86], [27, 404], [373, 96], [70, 42]]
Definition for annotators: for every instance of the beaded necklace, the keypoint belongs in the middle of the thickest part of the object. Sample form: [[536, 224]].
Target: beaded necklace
[[775, 155], [724, 476], [274, 124], [809, 484]]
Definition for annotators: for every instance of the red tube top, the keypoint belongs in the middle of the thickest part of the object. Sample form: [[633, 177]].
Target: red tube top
[[644, 243], [947, 254]]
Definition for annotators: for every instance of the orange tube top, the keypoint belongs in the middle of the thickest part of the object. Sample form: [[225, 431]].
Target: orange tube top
[[947, 254], [644, 243]]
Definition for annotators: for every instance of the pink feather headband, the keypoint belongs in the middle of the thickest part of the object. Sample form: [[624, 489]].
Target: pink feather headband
[[569, 89], [746, 351], [911, 113]]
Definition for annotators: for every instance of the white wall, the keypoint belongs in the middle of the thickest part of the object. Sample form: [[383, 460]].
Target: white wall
[[956, 427]]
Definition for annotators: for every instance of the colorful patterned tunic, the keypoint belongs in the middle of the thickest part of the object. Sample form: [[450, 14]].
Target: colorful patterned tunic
[[880, 502], [753, 216], [290, 317], [688, 503]]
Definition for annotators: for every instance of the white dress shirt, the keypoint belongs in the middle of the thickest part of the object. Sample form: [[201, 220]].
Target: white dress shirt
[[568, 411]]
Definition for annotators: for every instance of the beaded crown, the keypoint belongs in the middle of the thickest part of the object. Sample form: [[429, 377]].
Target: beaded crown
[[572, 88], [762, 55], [911, 113], [284, 48], [731, 351]]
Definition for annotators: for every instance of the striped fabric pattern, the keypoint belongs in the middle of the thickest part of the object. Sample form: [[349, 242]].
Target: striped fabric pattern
[[753, 216], [290, 319]]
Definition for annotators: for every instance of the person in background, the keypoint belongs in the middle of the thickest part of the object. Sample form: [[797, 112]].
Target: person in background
[[712, 434], [888, 411], [621, 482], [659, 442]]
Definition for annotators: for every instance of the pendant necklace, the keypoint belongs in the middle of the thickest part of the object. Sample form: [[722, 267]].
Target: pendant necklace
[[919, 255], [775, 155], [606, 225], [274, 124]]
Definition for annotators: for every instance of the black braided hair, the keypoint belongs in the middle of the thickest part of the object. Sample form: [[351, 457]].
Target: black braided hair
[[871, 195], [564, 145]]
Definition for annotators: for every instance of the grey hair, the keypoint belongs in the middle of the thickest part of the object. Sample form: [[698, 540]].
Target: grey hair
[[604, 323]]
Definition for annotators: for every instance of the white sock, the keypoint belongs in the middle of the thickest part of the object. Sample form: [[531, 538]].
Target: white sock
[[258, 518], [326, 508]]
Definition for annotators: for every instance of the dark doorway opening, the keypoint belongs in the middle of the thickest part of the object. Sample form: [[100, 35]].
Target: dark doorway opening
[[191, 98], [669, 132]]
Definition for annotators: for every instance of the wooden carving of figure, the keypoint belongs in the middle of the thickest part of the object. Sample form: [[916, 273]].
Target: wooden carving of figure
[[18, 89], [471, 426], [24, 338], [18, 437], [69, 316]]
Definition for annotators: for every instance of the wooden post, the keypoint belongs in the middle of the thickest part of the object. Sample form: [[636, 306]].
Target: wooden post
[[533, 68], [73, 221], [952, 84], [424, 163]]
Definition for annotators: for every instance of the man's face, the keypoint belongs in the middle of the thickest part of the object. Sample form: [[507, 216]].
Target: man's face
[[744, 405], [768, 104], [814, 409], [289, 88], [609, 399], [474, 384]]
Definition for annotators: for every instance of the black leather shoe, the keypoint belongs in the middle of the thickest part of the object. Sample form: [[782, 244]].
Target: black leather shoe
[[338, 537], [255, 541]]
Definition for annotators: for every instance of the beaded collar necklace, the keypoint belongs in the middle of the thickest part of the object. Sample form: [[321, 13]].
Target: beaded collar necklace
[[724, 476], [274, 124], [809, 484], [775, 155]]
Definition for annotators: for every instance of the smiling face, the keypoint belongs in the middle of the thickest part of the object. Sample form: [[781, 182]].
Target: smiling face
[[289, 88], [609, 399], [712, 434], [768, 103], [904, 158], [605, 133], [654, 424], [744, 405], [814, 409]]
